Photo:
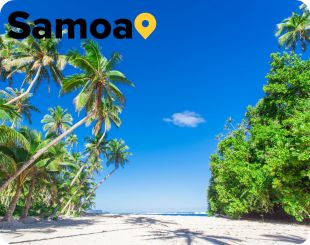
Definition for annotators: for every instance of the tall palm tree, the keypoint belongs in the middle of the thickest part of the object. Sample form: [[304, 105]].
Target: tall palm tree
[[294, 30], [43, 174], [94, 147], [18, 155], [117, 154], [72, 140], [52, 161], [23, 106], [110, 116], [6, 50], [7, 112], [38, 59], [57, 122], [97, 83]]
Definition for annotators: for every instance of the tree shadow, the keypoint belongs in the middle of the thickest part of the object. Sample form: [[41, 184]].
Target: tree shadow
[[288, 238], [188, 236], [148, 221], [44, 224], [68, 236]]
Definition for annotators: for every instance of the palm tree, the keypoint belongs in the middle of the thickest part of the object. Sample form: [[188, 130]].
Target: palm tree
[[18, 155], [6, 50], [117, 154], [39, 59], [97, 83], [57, 122], [110, 116], [42, 174], [294, 30], [52, 161], [22, 107], [72, 140], [94, 147], [7, 112], [29, 196]]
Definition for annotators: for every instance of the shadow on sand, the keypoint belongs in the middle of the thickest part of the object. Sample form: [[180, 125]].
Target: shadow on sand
[[188, 236], [68, 236], [43, 224], [165, 231], [289, 239], [147, 221]]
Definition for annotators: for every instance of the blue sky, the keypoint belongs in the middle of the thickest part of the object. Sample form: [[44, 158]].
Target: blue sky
[[205, 57]]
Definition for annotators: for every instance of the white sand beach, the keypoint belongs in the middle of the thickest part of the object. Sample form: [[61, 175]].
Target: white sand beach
[[154, 229]]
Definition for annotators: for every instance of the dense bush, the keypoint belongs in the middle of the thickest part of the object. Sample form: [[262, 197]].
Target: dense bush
[[263, 165]]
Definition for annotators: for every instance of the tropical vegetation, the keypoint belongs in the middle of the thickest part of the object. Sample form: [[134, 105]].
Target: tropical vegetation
[[262, 166], [51, 172]]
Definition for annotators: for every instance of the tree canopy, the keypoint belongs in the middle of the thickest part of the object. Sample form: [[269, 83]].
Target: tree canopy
[[263, 165]]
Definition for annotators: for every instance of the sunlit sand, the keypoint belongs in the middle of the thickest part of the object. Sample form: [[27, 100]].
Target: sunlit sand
[[154, 229]]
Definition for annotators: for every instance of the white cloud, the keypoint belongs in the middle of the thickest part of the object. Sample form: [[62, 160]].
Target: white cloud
[[186, 119]]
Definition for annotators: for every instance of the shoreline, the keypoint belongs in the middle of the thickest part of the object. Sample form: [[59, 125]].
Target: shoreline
[[155, 229]]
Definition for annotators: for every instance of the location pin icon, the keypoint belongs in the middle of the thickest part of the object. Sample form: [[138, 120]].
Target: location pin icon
[[145, 31]]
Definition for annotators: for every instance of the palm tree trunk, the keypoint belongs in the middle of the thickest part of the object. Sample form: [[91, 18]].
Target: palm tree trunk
[[42, 151], [9, 214], [68, 203], [98, 185], [81, 169], [104, 179], [28, 89], [103, 135], [28, 199], [77, 175], [70, 199]]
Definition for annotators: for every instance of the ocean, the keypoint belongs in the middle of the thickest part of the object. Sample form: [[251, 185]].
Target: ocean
[[141, 213]]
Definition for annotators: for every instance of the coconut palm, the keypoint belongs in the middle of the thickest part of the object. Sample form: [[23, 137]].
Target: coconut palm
[[51, 161], [93, 148], [294, 30], [43, 174], [6, 50], [97, 84], [76, 174], [57, 122], [22, 107], [18, 155], [28, 200], [72, 140], [117, 155], [38, 59], [110, 116], [40, 180], [7, 112]]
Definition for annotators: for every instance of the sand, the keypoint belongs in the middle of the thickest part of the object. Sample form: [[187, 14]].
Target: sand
[[154, 229]]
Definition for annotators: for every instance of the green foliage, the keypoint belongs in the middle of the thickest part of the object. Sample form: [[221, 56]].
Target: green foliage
[[263, 166], [295, 30], [45, 176]]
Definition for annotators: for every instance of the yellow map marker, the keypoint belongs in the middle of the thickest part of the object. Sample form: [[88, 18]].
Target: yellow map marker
[[145, 31]]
